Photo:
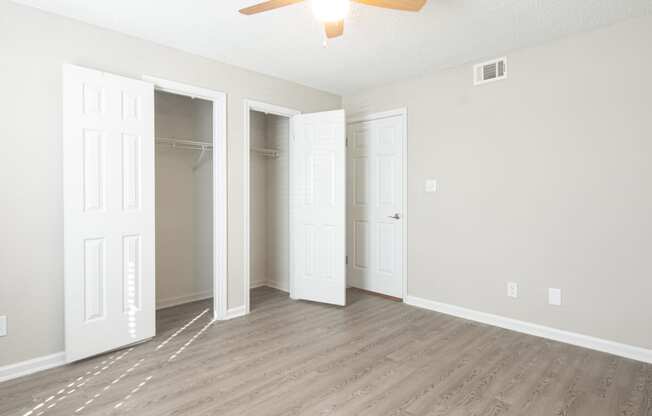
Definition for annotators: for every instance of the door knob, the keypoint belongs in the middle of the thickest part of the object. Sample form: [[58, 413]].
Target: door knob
[[395, 216]]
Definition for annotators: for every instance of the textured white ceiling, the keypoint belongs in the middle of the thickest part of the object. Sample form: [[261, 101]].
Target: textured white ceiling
[[379, 46]]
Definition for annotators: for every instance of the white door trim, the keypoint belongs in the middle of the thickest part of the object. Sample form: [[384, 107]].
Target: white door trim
[[251, 105], [218, 98], [399, 112]]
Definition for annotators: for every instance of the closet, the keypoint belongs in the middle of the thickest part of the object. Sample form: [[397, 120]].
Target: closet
[[184, 199], [269, 201]]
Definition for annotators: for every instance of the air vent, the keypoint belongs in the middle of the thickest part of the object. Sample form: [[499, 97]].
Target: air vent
[[490, 71]]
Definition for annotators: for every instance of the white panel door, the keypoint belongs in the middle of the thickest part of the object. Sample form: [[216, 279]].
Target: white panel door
[[318, 246], [108, 185], [375, 201]]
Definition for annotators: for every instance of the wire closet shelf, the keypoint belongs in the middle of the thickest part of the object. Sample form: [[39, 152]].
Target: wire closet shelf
[[201, 145]]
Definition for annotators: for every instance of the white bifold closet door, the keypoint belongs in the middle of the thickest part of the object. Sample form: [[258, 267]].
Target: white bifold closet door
[[108, 167], [318, 207]]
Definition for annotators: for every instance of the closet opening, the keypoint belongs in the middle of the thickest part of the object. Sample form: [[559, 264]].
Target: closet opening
[[184, 203], [198, 116], [267, 202]]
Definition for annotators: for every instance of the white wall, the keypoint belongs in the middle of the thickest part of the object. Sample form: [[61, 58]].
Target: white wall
[[184, 202], [33, 46], [544, 179]]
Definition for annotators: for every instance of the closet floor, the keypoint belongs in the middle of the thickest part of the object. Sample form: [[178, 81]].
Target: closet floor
[[374, 357]]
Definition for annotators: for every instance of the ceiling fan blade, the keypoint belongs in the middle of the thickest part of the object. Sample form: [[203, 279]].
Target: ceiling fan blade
[[405, 5], [268, 5], [334, 29]]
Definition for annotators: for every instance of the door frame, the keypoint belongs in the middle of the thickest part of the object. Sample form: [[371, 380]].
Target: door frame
[[403, 113], [252, 105], [218, 98]]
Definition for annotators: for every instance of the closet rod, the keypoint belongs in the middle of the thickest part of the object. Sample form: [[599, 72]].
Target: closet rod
[[273, 153], [186, 144], [189, 145]]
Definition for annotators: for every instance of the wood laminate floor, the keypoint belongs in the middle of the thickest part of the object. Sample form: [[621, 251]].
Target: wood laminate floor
[[374, 357]]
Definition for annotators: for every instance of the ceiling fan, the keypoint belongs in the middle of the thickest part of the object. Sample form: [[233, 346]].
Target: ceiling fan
[[333, 12]]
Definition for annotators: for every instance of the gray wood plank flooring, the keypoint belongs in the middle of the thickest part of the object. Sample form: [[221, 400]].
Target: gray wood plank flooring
[[374, 357]]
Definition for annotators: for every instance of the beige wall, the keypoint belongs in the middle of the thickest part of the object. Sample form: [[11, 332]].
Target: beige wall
[[184, 201], [544, 179], [278, 203], [257, 201], [269, 202], [33, 46]]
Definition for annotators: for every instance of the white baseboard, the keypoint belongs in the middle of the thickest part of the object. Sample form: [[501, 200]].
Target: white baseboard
[[277, 285], [598, 344], [270, 283], [235, 312], [180, 300], [261, 283], [34, 365]]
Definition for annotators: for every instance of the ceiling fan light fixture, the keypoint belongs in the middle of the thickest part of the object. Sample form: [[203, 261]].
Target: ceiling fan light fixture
[[330, 10]]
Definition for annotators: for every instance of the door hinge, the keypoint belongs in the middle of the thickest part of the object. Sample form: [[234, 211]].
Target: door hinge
[[346, 142], [346, 260]]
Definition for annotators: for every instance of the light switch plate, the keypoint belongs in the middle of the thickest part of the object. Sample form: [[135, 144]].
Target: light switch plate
[[431, 185], [3, 326], [554, 296]]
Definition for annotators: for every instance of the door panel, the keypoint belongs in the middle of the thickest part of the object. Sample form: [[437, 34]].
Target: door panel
[[94, 278], [108, 149], [375, 192], [318, 207]]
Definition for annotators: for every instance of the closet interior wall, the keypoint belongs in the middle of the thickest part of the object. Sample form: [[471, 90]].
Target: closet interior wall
[[269, 201], [184, 202]]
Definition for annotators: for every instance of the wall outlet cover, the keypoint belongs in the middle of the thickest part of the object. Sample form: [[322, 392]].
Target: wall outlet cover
[[554, 296], [431, 185], [512, 289]]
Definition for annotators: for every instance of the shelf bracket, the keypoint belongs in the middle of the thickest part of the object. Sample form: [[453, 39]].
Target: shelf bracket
[[200, 158]]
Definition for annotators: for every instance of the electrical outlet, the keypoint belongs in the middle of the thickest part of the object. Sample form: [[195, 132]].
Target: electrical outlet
[[3, 326], [431, 185], [512, 289], [554, 296]]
